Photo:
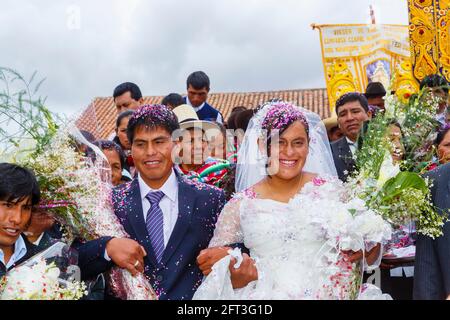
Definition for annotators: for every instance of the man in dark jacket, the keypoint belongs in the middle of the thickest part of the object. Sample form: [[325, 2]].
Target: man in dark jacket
[[352, 111], [19, 191], [198, 86], [432, 264]]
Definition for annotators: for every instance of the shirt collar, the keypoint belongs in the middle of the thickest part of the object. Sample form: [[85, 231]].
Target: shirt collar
[[197, 109], [170, 187], [20, 250], [38, 240], [350, 142]]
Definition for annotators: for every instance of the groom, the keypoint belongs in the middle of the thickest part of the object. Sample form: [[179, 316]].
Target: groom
[[171, 218]]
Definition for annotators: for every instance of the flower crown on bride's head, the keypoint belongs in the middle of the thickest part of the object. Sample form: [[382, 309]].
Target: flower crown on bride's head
[[279, 115]]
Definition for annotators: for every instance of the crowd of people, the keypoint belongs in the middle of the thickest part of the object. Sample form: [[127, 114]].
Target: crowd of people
[[174, 168]]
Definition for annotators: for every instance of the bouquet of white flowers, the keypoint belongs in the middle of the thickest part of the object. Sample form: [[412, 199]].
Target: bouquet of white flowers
[[41, 278], [396, 190], [347, 225]]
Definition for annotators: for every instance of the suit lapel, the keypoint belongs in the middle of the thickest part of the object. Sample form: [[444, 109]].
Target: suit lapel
[[186, 202], [136, 219]]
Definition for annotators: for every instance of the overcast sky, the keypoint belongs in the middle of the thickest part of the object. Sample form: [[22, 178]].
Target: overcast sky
[[85, 48]]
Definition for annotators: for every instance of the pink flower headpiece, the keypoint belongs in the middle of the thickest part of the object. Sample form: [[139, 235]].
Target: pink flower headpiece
[[282, 114]]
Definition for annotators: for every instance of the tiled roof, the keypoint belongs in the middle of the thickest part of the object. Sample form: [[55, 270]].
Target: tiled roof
[[100, 116]]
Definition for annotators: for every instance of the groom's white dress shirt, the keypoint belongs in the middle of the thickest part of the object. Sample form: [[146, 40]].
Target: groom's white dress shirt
[[168, 204]]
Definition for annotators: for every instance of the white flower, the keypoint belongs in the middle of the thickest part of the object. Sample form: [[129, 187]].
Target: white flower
[[390, 106], [340, 219], [39, 282], [357, 204], [388, 170]]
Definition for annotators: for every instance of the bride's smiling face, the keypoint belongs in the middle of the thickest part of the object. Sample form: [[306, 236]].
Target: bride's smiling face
[[290, 153]]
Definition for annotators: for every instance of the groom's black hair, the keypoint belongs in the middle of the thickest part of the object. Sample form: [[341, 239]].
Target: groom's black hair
[[17, 183], [150, 117]]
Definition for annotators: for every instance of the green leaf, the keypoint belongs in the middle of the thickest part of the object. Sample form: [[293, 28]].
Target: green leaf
[[404, 180]]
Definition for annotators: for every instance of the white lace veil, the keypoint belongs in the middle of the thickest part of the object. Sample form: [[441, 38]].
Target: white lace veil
[[251, 163]]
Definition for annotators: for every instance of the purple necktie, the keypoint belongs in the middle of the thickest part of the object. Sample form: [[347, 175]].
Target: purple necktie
[[155, 223]]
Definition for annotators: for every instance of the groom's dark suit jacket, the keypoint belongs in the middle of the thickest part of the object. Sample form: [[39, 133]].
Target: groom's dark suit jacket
[[432, 264], [343, 158], [177, 276]]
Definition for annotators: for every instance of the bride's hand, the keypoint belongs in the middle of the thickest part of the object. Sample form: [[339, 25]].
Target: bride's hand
[[353, 256], [370, 256], [208, 257], [373, 254], [246, 273]]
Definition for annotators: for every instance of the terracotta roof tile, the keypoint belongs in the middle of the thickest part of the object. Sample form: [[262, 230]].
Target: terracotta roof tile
[[100, 116]]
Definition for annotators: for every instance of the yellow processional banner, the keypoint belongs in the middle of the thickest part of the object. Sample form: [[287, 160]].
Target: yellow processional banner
[[356, 54], [430, 37]]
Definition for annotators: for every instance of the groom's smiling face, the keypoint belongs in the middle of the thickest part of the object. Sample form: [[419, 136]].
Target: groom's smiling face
[[151, 150], [291, 150]]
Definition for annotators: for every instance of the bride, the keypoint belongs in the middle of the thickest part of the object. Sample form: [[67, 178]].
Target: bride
[[305, 236]]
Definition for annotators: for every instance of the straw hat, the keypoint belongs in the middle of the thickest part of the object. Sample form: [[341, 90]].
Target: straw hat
[[188, 118], [330, 122]]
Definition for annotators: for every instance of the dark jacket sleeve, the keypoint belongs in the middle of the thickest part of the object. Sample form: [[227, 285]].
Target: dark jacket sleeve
[[441, 198], [443, 249], [427, 271], [432, 274], [91, 257]]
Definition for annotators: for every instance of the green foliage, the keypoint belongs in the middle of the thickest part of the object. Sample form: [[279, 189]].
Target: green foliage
[[25, 121], [399, 196], [419, 126], [373, 145], [404, 180]]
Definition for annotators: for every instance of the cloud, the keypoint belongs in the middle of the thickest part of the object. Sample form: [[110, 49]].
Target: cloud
[[250, 45]]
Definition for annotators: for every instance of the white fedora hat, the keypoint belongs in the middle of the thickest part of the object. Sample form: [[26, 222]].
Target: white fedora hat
[[188, 118], [330, 122]]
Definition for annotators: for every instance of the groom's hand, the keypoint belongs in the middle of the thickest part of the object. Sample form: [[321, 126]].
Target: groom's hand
[[208, 257], [246, 273], [126, 254]]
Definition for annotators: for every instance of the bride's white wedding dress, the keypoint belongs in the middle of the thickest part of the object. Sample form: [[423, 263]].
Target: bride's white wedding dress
[[296, 246]]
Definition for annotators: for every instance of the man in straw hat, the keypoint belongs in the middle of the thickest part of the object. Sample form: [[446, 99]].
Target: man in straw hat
[[195, 136], [333, 130]]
